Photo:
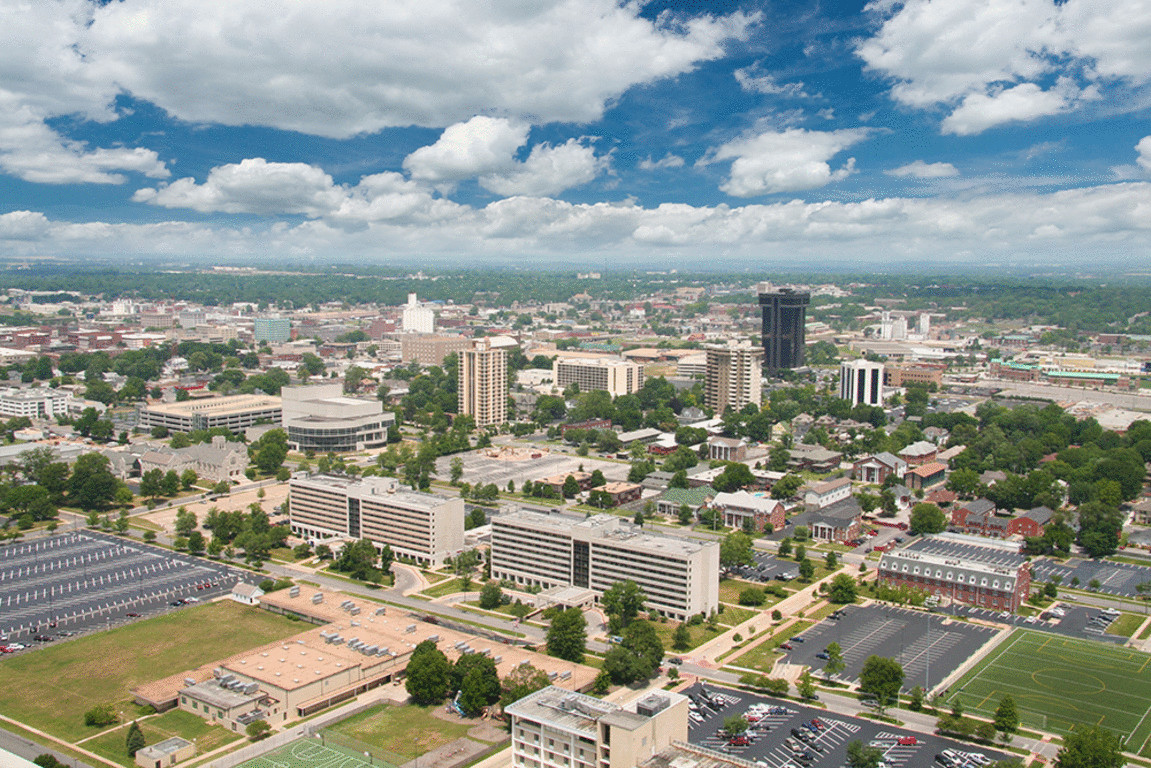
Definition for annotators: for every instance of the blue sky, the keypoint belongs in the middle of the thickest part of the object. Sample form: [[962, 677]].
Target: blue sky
[[1011, 134]]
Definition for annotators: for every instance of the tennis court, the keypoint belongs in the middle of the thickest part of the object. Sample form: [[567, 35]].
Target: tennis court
[[1059, 683]]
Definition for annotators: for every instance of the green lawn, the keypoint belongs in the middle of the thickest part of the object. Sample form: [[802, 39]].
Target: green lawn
[[763, 656], [407, 731], [1060, 683], [729, 590], [1126, 624], [52, 687], [700, 634], [450, 587], [175, 722], [733, 615]]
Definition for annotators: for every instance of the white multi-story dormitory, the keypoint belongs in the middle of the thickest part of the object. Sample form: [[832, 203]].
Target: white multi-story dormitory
[[615, 376], [680, 577], [35, 403], [422, 526], [556, 728]]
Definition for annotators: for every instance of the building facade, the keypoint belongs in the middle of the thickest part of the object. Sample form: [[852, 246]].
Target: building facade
[[417, 318], [861, 382], [429, 348], [483, 390], [320, 418], [784, 326], [554, 728], [233, 412], [616, 377], [765, 513], [965, 569], [734, 378], [38, 403], [679, 577], [274, 330], [422, 526]]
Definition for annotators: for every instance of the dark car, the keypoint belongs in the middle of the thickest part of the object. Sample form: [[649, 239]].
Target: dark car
[[43, 638], [822, 655], [798, 639], [675, 660], [132, 615], [176, 603]]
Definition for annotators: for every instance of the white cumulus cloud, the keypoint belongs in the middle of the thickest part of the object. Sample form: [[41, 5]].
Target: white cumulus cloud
[[465, 150], [990, 62], [788, 161], [1143, 149], [344, 67], [548, 170], [667, 161], [921, 170]]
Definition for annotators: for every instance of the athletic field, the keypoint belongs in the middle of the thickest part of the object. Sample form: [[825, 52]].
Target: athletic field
[[1059, 683], [311, 753]]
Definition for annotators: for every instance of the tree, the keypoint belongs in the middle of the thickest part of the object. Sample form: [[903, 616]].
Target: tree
[[570, 487], [835, 663], [170, 485], [882, 677], [567, 635], [684, 515], [786, 486], [1092, 747], [806, 569], [734, 725], [188, 478], [805, 686], [196, 543], [637, 656], [1006, 716], [859, 755], [491, 595], [524, 679], [474, 676], [268, 453], [135, 740], [101, 715], [735, 549], [151, 483], [927, 518], [93, 486], [185, 522], [622, 602], [830, 561], [357, 559], [456, 470], [843, 589], [429, 674], [258, 729], [681, 638]]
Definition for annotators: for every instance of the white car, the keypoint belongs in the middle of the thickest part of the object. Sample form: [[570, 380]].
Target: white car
[[17, 646], [191, 600]]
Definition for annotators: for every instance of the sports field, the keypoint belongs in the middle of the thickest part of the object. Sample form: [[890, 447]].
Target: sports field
[[1059, 683], [310, 753]]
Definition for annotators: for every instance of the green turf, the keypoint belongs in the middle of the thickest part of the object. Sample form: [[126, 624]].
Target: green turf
[[311, 753], [406, 731], [174, 722], [51, 688], [1060, 683]]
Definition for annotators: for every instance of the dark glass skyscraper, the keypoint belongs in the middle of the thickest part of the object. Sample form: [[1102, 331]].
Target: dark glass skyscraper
[[784, 317]]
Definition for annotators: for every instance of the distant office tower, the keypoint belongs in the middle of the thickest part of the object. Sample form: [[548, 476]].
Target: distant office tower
[[861, 381], [784, 316], [275, 330], [484, 384], [733, 376], [417, 319], [925, 324], [615, 376]]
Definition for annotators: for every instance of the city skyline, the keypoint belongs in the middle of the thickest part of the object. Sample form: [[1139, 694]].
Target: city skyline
[[725, 135]]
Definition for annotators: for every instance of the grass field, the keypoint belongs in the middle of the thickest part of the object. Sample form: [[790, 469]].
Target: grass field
[[51, 688], [407, 731], [1060, 683], [175, 722]]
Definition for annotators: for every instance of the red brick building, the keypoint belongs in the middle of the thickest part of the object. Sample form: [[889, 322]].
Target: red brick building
[[982, 572]]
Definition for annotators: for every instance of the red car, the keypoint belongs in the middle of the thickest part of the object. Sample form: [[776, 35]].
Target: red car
[[739, 741], [785, 646], [908, 741]]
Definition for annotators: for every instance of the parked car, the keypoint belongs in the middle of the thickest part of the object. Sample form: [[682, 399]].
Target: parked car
[[908, 741], [798, 639], [43, 638], [675, 660], [786, 646], [739, 741], [822, 655]]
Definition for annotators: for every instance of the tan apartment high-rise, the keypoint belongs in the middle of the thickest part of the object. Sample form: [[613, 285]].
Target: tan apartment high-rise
[[734, 377], [484, 384]]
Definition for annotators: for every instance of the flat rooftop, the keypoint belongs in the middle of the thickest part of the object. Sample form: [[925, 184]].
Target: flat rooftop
[[607, 528], [217, 405]]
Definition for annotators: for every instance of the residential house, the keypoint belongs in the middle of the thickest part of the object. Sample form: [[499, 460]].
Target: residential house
[[695, 498], [838, 522], [726, 449], [813, 458], [921, 452], [825, 494], [766, 513], [878, 467], [926, 475]]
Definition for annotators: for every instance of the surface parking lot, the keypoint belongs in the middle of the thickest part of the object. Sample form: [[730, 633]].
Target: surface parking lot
[[483, 469], [766, 568], [1076, 622], [929, 646], [771, 743], [77, 581], [1113, 578]]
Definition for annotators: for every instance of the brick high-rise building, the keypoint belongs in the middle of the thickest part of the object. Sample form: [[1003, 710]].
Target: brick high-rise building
[[733, 376], [484, 384]]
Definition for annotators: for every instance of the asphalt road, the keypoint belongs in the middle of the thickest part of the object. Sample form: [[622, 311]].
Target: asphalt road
[[28, 750]]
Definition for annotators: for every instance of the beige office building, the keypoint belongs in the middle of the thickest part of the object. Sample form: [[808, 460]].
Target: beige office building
[[680, 577], [734, 377], [233, 412], [321, 418], [615, 376], [484, 384], [556, 728], [430, 348], [422, 526]]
